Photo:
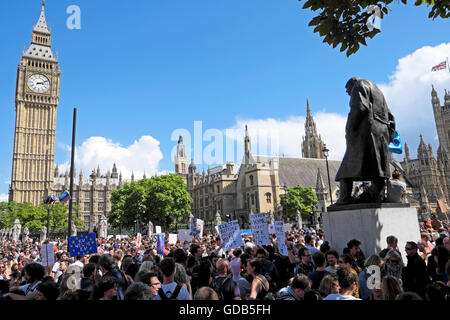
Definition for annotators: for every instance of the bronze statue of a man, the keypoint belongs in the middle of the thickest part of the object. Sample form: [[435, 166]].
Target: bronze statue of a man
[[370, 128]]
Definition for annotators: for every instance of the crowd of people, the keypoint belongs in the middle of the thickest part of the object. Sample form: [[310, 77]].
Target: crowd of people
[[202, 270]]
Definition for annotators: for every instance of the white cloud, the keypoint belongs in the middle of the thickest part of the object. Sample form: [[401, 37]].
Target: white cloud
[[142, 156], [3, 198], [408, 94], [284, 137]]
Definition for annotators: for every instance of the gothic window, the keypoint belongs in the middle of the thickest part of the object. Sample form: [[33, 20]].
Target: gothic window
[[87, 195], [218, 188], [87, 206], [101, 195], [251, 180], [268, 197], [253, 199], [101, 206]]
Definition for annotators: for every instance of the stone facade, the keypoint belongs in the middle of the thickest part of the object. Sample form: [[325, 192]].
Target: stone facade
[[91, 194], [429, 175], [256, 185], [37, 97], [312, 146]]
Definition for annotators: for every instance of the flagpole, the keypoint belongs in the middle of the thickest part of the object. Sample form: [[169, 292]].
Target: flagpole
[[448, 66]]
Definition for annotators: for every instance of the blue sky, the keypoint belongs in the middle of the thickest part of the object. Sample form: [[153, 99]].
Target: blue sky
[[145, 68]]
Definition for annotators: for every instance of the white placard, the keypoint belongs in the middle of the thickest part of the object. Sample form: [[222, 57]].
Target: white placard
[[173, 238], [281, 237], [230, 235], [288, 227], [271, 228], [260, 228], [184, 235], [158, 230], [47, 255], [197, 227]]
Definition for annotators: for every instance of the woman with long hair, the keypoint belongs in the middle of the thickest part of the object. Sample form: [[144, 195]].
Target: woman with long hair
[[260, 285], [329, 285], [390, 288]]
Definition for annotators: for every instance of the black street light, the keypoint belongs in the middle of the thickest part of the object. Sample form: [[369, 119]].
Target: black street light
[[285, 199], [325, 153], [91, 213], [50, 202]]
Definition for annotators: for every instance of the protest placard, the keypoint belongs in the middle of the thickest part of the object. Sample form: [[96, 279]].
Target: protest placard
[[246, 232], [160, 244], [196, 227], [271, 228], [184, 235], [82, 245], [47, 255], [173, 238], [281, 237], [158, 229], [230, 235], [138, 240], [260, 228]]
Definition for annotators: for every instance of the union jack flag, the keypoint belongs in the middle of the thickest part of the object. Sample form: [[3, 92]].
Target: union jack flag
[[440, 66]]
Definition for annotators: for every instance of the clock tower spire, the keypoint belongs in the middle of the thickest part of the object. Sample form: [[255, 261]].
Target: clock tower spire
[[37, 98]]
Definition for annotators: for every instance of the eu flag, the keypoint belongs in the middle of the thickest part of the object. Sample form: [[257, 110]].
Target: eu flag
[[82, 245]]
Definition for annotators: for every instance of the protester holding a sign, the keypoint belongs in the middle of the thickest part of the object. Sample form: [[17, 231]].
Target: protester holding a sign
[[260, 229], [197, 263], [230, 235]]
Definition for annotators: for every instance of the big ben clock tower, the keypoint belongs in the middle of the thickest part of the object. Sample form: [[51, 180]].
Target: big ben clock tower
[[37, 97]]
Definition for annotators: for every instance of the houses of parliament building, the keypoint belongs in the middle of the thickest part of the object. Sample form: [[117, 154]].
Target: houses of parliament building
[[233, 190]]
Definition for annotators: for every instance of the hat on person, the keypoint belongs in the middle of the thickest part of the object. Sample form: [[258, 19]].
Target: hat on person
[[186, 246]]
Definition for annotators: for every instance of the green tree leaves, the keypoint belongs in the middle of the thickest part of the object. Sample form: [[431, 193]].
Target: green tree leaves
[[298, 198], [161, 200], [34, 218], [344, 22]]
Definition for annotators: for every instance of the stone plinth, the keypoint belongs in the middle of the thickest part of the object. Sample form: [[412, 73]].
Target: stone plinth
[[371, 226]]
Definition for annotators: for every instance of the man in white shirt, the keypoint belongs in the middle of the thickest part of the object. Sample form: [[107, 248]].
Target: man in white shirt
[[347, 282], [56, 272]]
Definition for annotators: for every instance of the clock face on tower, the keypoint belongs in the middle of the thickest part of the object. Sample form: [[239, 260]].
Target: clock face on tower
[[39, 83]]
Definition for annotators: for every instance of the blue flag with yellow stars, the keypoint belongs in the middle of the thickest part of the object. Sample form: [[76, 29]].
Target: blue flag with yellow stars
[[82, 245]]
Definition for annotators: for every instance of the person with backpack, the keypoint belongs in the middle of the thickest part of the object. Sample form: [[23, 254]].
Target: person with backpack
[[224, 285], [108, 269], [170, 290]]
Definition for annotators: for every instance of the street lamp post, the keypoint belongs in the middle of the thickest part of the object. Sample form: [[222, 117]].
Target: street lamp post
[[325, 153], [50, 202], [91, 214], [285, 195]]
